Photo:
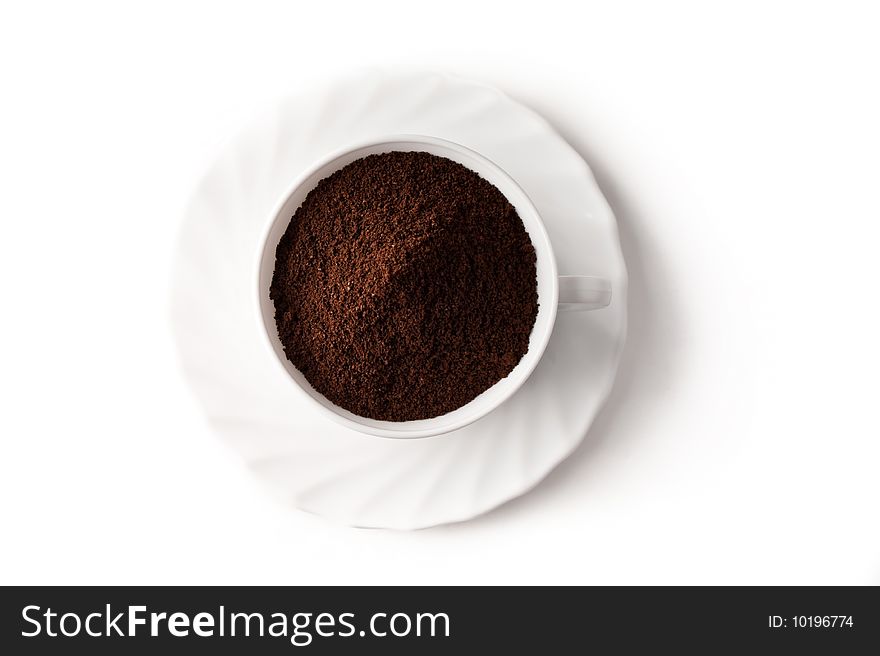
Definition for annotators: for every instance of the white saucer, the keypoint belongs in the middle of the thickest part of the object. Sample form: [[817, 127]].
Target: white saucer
[[323, 468]]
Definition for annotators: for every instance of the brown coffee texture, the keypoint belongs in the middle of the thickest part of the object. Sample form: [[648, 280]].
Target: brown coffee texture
[[404, 286]]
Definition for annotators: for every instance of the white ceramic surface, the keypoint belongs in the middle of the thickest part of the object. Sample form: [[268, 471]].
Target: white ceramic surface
[[333, 471], [547, 286]]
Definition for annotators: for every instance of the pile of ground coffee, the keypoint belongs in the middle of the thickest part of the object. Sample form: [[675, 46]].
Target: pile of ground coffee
[[404, 286]]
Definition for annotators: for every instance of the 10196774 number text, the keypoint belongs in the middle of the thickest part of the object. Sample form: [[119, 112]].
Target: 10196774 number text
[[810, 622]]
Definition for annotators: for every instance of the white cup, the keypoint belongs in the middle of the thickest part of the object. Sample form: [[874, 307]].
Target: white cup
[[555, 293]]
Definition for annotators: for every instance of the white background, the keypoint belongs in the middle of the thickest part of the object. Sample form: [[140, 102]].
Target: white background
[[739, 148]]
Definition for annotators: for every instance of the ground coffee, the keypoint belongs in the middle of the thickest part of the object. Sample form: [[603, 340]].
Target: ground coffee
[[404, 286]]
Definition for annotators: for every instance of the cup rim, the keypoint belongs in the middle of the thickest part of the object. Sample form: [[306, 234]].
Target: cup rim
[[528, 362]]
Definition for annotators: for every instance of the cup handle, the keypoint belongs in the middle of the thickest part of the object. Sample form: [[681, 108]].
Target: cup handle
[[578, 293]]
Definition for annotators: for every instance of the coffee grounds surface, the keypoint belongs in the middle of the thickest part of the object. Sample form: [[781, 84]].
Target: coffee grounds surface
[[404, 286]]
